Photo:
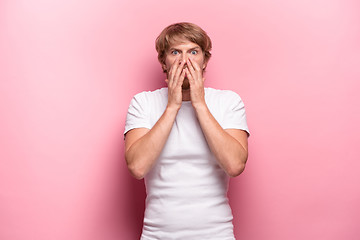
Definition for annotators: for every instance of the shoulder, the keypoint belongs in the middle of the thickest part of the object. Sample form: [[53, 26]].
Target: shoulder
[[147, 97], [221, 95], [152, 94]]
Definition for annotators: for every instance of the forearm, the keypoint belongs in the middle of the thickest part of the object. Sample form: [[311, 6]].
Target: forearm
[[229, 152], [142, 154]]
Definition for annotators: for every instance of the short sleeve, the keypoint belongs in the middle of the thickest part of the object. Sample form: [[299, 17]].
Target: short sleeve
[[235, 116], [137, 115]]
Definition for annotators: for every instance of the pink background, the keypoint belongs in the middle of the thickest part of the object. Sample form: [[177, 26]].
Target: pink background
[[68, 70]]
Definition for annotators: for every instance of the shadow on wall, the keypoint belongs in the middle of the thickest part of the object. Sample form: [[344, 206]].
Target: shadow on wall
[[237, 194], [121, 211], [136, 204], [132, 196], [151, 78], [128, 201]]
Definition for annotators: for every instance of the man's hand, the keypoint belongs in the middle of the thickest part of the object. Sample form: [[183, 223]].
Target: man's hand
[[229, 146], [196, 80], [175, 80]]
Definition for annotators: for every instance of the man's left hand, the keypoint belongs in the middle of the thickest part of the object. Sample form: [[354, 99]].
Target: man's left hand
[[196, 80]]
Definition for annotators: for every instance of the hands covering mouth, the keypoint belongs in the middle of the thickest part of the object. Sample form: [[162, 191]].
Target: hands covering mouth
[[185, 75]]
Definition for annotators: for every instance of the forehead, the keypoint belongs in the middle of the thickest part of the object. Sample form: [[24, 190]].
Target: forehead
[[182, 43]]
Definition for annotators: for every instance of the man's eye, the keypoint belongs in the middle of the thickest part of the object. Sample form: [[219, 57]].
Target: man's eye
[[193, 52], [175, 52]]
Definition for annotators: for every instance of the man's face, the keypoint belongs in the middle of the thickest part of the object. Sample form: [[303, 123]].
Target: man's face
[[184, 49]]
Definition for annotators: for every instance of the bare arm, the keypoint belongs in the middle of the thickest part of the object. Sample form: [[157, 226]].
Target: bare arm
[[143, 146], [230, 146]]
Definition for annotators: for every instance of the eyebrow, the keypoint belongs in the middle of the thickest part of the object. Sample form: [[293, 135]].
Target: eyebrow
[[194, 48]]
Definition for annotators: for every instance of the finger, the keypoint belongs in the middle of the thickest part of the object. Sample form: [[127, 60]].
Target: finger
[[181, 78], [189, 76], [173, 69], [195, 64], [197, 68], [170, 73], [191, 68], [179, 70]]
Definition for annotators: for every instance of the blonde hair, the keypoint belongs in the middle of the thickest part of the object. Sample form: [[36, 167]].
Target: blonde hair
[[178, 31]]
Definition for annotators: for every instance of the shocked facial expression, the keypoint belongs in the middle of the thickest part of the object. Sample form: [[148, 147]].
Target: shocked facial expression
[[184, 49]]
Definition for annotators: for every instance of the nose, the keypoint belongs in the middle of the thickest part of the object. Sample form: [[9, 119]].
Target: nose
[[184, 57]]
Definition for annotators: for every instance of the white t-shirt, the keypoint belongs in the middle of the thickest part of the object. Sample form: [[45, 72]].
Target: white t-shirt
[[187, 189]]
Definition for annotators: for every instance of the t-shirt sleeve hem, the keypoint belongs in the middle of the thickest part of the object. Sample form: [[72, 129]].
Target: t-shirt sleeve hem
[[131, 127], [237, 127]]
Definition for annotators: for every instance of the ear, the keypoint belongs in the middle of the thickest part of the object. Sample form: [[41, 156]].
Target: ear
[[205, 62], [164, 67], [204, 65]]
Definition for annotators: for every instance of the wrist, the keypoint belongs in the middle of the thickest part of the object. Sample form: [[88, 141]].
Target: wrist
[[200, 106], [173, 108]]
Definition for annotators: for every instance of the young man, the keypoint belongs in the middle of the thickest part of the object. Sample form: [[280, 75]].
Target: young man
[[186, 140]]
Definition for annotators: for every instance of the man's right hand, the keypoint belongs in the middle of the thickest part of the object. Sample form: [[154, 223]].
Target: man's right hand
[[175, 80], [143, 146]]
